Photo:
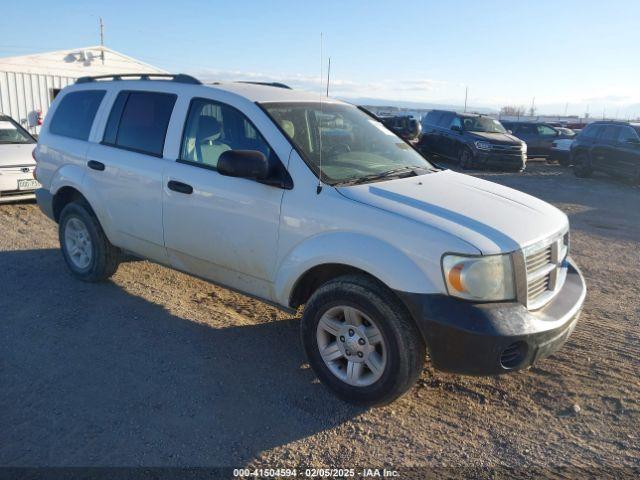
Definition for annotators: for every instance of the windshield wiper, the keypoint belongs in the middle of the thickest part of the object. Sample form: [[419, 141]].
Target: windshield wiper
[[396, 172]]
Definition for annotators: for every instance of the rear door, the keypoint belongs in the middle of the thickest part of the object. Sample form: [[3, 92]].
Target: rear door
[[430, 134], [453, 139], [627, 156], [124, 170], [603, 156], [528, 133]]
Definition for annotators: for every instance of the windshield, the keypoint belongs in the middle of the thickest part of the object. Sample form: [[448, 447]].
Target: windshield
[[354, 146], [482, 124], [11, 132]]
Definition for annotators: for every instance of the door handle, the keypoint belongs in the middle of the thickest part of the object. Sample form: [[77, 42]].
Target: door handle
[[94, 165], [180, 187]]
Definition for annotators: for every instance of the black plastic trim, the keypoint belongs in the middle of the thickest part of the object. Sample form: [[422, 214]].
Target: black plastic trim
[[470, 338], [174, 77]]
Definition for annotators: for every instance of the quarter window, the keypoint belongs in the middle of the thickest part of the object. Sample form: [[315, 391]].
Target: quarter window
[[610, 132], [138, 121], [626, 134], [74, 116], [212, 128]]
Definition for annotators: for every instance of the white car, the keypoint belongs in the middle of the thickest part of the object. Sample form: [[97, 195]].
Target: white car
[[560, 150], [16, 161], [296, 199]]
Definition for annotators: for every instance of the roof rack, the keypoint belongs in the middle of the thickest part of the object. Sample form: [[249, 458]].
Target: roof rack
[[268, 84], [179, 77]]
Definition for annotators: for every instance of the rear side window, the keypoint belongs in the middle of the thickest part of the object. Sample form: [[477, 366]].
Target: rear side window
[[432, 118], [591, 131], [138, 121], [74, 116], [627, 134]]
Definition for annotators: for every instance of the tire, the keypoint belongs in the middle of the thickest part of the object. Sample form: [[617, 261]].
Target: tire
[[86, 250], [466, 159], [394, 345], [582, 166]]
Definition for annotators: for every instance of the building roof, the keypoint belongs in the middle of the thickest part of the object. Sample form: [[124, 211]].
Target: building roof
[[78, 62]]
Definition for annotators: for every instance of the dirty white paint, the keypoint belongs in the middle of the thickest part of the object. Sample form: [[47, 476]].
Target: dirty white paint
[[28, 83]]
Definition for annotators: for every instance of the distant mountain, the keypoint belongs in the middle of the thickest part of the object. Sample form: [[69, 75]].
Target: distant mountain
[[377, 102]]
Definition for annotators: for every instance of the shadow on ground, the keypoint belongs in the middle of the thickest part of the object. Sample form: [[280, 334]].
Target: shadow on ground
[[91, 375]]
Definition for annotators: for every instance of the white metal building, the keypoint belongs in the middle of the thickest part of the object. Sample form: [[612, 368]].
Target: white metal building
[[29, 83]]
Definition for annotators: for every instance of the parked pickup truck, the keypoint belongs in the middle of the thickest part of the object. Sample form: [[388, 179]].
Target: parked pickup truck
[[296, 202]]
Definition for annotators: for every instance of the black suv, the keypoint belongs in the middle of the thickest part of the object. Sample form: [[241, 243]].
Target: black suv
[[472, 140], [538, 136], [610, 147]]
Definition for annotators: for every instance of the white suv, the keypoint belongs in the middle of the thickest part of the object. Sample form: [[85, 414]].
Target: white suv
[[294, 200]]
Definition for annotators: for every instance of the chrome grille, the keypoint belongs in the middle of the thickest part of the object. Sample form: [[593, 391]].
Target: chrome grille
[[506, 148], [545, 269]]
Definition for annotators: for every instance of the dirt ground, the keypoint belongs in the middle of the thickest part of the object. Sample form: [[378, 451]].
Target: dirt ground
[[156, 368]]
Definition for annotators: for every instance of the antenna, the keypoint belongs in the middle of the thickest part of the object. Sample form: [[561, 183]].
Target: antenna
[[319, 187], [102, 40], [328, 72], [466, 93]]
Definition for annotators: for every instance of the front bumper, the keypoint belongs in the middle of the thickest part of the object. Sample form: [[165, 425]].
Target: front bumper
[[493, 338], [500, 160]]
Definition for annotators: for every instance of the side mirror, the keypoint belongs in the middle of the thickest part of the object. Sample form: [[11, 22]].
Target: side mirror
[[249, 164], [456, 128]]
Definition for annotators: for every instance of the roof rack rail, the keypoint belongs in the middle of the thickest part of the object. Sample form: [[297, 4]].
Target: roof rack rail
[[268, 84], [178, 77]]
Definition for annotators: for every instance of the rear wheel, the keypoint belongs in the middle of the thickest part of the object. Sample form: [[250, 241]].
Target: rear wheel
[[582, 166], [85, 248], [361, 342]]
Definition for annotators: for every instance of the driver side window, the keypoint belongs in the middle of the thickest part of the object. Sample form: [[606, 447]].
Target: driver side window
[[212, 128], [545, 131], [456, 122]]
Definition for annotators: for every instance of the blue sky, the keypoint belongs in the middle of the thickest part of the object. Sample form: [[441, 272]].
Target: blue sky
[[567, 54]]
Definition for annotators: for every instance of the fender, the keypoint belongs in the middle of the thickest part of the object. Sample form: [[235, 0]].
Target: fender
[[72, 175], [68, 175], [380, 259]]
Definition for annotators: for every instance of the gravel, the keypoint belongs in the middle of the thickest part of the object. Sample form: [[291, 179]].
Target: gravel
[[156, 368]]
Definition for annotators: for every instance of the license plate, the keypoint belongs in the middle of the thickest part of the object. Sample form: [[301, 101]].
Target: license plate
[[28, 184]]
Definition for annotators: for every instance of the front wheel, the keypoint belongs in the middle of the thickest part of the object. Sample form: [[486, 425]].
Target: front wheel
[[361, 342], [582, 167], [466, 159]]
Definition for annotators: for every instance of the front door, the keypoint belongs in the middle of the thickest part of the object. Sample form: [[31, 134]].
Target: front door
[[221, 228]]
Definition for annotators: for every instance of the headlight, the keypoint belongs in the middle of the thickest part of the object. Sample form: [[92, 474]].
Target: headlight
[[480, 278], [483, 145]]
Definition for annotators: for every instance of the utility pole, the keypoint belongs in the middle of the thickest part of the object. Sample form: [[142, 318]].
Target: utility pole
[[466, 94], [102, 40], [328, 72]]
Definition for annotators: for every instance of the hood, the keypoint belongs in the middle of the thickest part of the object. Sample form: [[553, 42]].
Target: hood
[[491, 217], [12, 154], [499, 138]]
